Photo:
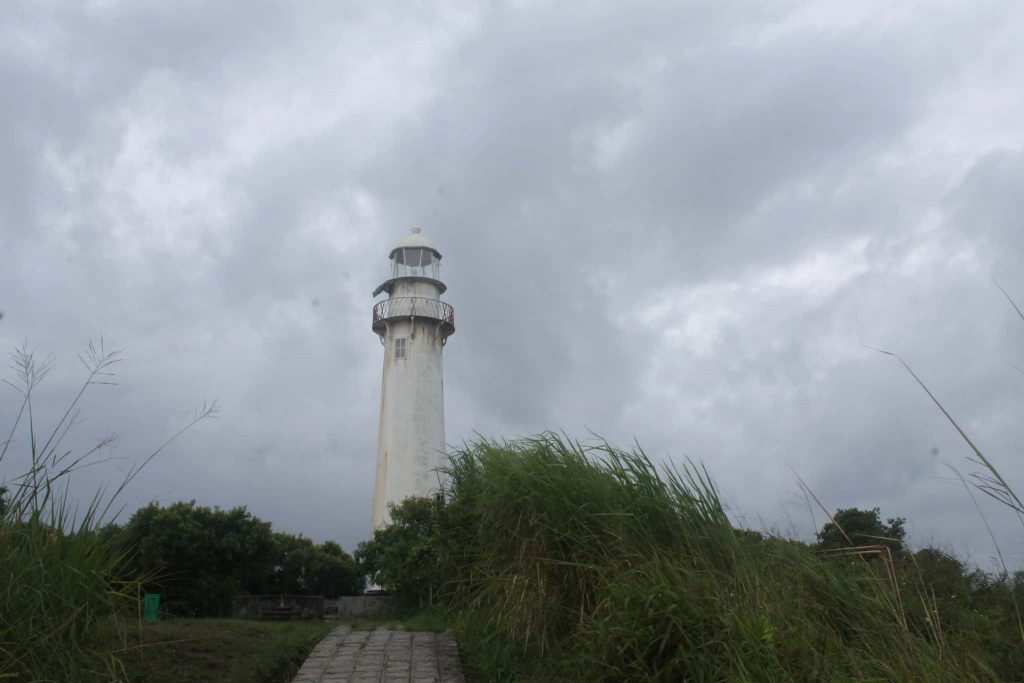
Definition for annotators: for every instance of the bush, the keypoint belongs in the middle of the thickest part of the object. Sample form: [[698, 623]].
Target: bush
[[303, 568], [574, 563], [407, 557], [57, 582], [200, 557], [854, 527]]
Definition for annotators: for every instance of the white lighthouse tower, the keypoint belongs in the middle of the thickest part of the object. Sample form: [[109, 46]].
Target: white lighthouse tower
[[413, 324]]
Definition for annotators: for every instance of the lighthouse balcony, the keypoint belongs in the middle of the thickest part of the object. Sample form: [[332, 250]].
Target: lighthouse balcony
[[413, 307]]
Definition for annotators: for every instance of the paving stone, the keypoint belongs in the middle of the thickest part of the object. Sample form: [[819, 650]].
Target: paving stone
[[382, 655]]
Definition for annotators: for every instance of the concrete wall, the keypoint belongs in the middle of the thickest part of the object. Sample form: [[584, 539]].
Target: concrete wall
[[351, 607], [277, 606], [306, 606]]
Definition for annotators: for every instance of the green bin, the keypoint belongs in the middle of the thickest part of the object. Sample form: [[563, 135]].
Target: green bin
[[151, 606]]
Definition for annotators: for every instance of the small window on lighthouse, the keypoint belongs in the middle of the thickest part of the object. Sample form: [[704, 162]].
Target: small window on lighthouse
[[400, 348]]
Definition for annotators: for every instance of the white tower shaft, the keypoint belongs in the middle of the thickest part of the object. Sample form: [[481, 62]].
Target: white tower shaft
[[413, 324]]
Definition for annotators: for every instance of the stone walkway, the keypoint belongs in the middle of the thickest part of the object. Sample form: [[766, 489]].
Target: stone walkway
[[351, 656]]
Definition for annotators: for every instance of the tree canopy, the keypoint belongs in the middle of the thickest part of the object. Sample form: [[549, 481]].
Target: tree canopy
[[200, 557], [856, 527], [407, 556], [304, 568]]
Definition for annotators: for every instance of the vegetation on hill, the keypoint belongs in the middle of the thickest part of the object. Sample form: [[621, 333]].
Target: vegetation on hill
[[71, 582], [198, 558], [562, 562], [555, 561], [861, 528]]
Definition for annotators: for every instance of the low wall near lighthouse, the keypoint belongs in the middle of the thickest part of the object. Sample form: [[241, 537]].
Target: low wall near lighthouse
[[307, 606], [354, 606], [281, 607]]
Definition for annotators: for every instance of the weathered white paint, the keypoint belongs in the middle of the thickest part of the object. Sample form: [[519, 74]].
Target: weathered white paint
[[410, 441]]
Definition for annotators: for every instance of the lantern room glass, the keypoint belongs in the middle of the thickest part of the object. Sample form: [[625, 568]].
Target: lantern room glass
[[415, 262]]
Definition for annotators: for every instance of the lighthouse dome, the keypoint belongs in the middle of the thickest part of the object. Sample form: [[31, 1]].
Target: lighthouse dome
[[414, 240]]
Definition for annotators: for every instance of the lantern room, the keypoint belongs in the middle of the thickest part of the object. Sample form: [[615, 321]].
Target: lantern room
[[415, 262], [414, 259]]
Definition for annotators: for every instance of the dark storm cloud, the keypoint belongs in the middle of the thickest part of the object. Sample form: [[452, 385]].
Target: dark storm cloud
[[680, 224]]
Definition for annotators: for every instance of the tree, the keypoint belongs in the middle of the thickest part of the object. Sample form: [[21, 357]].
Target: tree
[[200, 557], [943, 573], [855, 527], [292, 554], [408, 557], [334, 572], [304, 568]]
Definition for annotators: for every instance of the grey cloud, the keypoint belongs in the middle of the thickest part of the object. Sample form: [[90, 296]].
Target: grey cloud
[[681, 224]]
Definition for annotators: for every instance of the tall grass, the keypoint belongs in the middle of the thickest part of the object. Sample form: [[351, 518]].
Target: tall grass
[[59, 568], [594, 564], [986, 478]]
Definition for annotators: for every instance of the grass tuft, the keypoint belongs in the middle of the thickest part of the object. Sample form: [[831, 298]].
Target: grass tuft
[[576, 562], [60, 567]]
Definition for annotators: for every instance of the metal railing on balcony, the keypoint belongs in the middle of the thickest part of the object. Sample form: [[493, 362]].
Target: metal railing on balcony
[[413, 306]]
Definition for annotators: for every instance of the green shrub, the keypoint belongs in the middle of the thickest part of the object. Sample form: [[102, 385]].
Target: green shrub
[[408, 557], [56, 585], [302, 567], [601, 567], [856, 527], [199, 558]]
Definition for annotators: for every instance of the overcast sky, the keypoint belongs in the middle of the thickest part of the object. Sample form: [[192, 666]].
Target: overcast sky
[[680, 223]]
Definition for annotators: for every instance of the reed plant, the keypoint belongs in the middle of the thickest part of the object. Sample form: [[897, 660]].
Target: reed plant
[[582, 562], [985, 477], [60, 565]]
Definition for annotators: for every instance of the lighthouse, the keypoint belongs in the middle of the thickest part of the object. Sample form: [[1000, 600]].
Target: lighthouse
[[413, 325]]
